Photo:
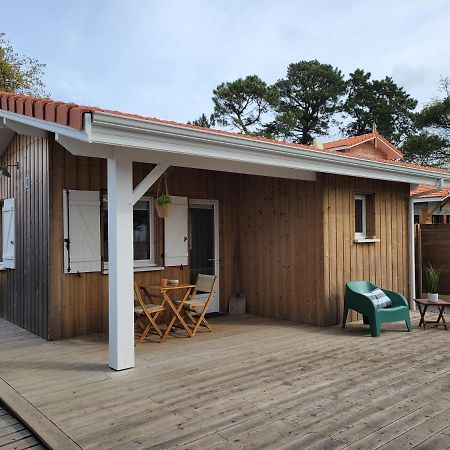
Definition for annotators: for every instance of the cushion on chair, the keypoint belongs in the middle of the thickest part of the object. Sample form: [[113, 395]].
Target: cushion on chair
[[379, 298]]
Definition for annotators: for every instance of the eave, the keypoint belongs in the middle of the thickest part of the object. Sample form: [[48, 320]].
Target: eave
[[146, 141]]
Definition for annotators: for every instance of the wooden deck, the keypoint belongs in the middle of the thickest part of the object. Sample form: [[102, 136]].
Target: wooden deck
[[14, 434], [253, 383]]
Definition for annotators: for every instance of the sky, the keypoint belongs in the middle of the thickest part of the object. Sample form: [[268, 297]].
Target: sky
[[163, 58]]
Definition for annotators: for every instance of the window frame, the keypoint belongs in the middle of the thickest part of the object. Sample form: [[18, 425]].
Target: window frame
[[361, 234], [141, 263]]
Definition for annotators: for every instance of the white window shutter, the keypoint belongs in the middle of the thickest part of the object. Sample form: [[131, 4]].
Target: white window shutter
[[176, 233], [8, 236], [82, 250]]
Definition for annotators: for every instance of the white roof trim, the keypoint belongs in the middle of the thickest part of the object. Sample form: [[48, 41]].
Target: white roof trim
[[171, 143], [429, 199]]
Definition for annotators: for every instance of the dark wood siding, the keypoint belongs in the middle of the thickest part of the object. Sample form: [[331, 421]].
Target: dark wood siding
[[433, 248], [24, 290]]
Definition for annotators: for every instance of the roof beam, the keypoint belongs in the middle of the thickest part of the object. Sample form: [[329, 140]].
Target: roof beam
[[6, 136], [178, 142], [24, 129], [81, 148], [148, 182]]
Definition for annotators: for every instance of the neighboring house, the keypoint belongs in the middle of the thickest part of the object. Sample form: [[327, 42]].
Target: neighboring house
[[370, 145], [431, 204], [79, 222]]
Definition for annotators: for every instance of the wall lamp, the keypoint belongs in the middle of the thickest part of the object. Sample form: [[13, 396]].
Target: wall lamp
[[4, 169]]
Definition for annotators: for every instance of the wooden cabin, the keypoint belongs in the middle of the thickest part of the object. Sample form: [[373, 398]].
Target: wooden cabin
[[285, 224]]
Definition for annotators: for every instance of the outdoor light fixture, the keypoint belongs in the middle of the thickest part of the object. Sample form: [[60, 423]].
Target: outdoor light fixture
[[4, 169]]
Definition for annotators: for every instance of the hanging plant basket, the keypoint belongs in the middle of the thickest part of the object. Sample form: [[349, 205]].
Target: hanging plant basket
[[163, 210], [163, 202]]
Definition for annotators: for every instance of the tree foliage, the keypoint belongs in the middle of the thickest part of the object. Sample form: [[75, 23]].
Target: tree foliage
[[432, 145], [310, 95], [315, 96], [382, 102], [436, 115], [426, 149], [204, 121], [243, 103], [19, 73]]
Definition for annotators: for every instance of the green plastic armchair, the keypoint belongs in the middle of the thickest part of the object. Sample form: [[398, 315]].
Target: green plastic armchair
[[371, 314]]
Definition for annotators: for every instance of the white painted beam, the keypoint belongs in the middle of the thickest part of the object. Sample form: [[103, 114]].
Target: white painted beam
[[48, 126], [24, 129], [412, 255], [82, 148], [148, 181], [6, 136], [120, 264]]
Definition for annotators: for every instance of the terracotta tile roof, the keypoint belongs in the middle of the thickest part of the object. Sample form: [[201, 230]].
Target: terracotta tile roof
[[354, 140], [71, 114], [421, 192], [349, 141]]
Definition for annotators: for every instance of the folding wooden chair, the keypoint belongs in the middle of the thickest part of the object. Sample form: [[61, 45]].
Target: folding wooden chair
[[145, 316], [195, 308]]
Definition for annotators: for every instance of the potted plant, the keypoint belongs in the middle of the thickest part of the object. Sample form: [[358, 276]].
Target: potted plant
[[163, 205], [432, 275]]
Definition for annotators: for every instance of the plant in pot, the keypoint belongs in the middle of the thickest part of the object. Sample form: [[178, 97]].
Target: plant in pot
[[163, 205], [432, 275]]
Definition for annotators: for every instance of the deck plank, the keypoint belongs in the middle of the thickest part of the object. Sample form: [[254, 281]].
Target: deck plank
[[14, 434], [254, 383]]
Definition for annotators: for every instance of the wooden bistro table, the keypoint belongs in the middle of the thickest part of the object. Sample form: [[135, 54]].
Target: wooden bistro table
[[423, 306], [174, 308]]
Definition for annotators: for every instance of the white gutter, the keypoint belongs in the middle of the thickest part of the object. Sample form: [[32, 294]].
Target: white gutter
[[429, 199], [412, 256], [121, 131], [117, 130]]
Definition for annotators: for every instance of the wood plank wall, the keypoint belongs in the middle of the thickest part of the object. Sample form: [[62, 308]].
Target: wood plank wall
[[296, 242], [79, 304], [384, 263], [24, 290], [434, 242], [281, 236]]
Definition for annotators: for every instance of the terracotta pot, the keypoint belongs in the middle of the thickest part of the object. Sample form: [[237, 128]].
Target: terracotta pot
[[163, 210], [164, 282]]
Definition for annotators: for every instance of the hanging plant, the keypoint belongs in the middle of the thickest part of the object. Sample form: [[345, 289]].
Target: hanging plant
[[163, 202]]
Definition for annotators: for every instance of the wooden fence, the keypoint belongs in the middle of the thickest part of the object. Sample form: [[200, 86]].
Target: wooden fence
[[433, 246]]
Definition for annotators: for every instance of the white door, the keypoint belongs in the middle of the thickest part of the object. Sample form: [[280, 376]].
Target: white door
[[204, 243]]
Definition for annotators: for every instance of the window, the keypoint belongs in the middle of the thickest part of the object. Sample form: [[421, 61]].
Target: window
[[360, 217], [435, 218], [416, 218], [365, 218], [143, 234]]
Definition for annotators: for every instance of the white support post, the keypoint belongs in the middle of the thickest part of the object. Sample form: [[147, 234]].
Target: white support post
[[120, 264], [412, 255]]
